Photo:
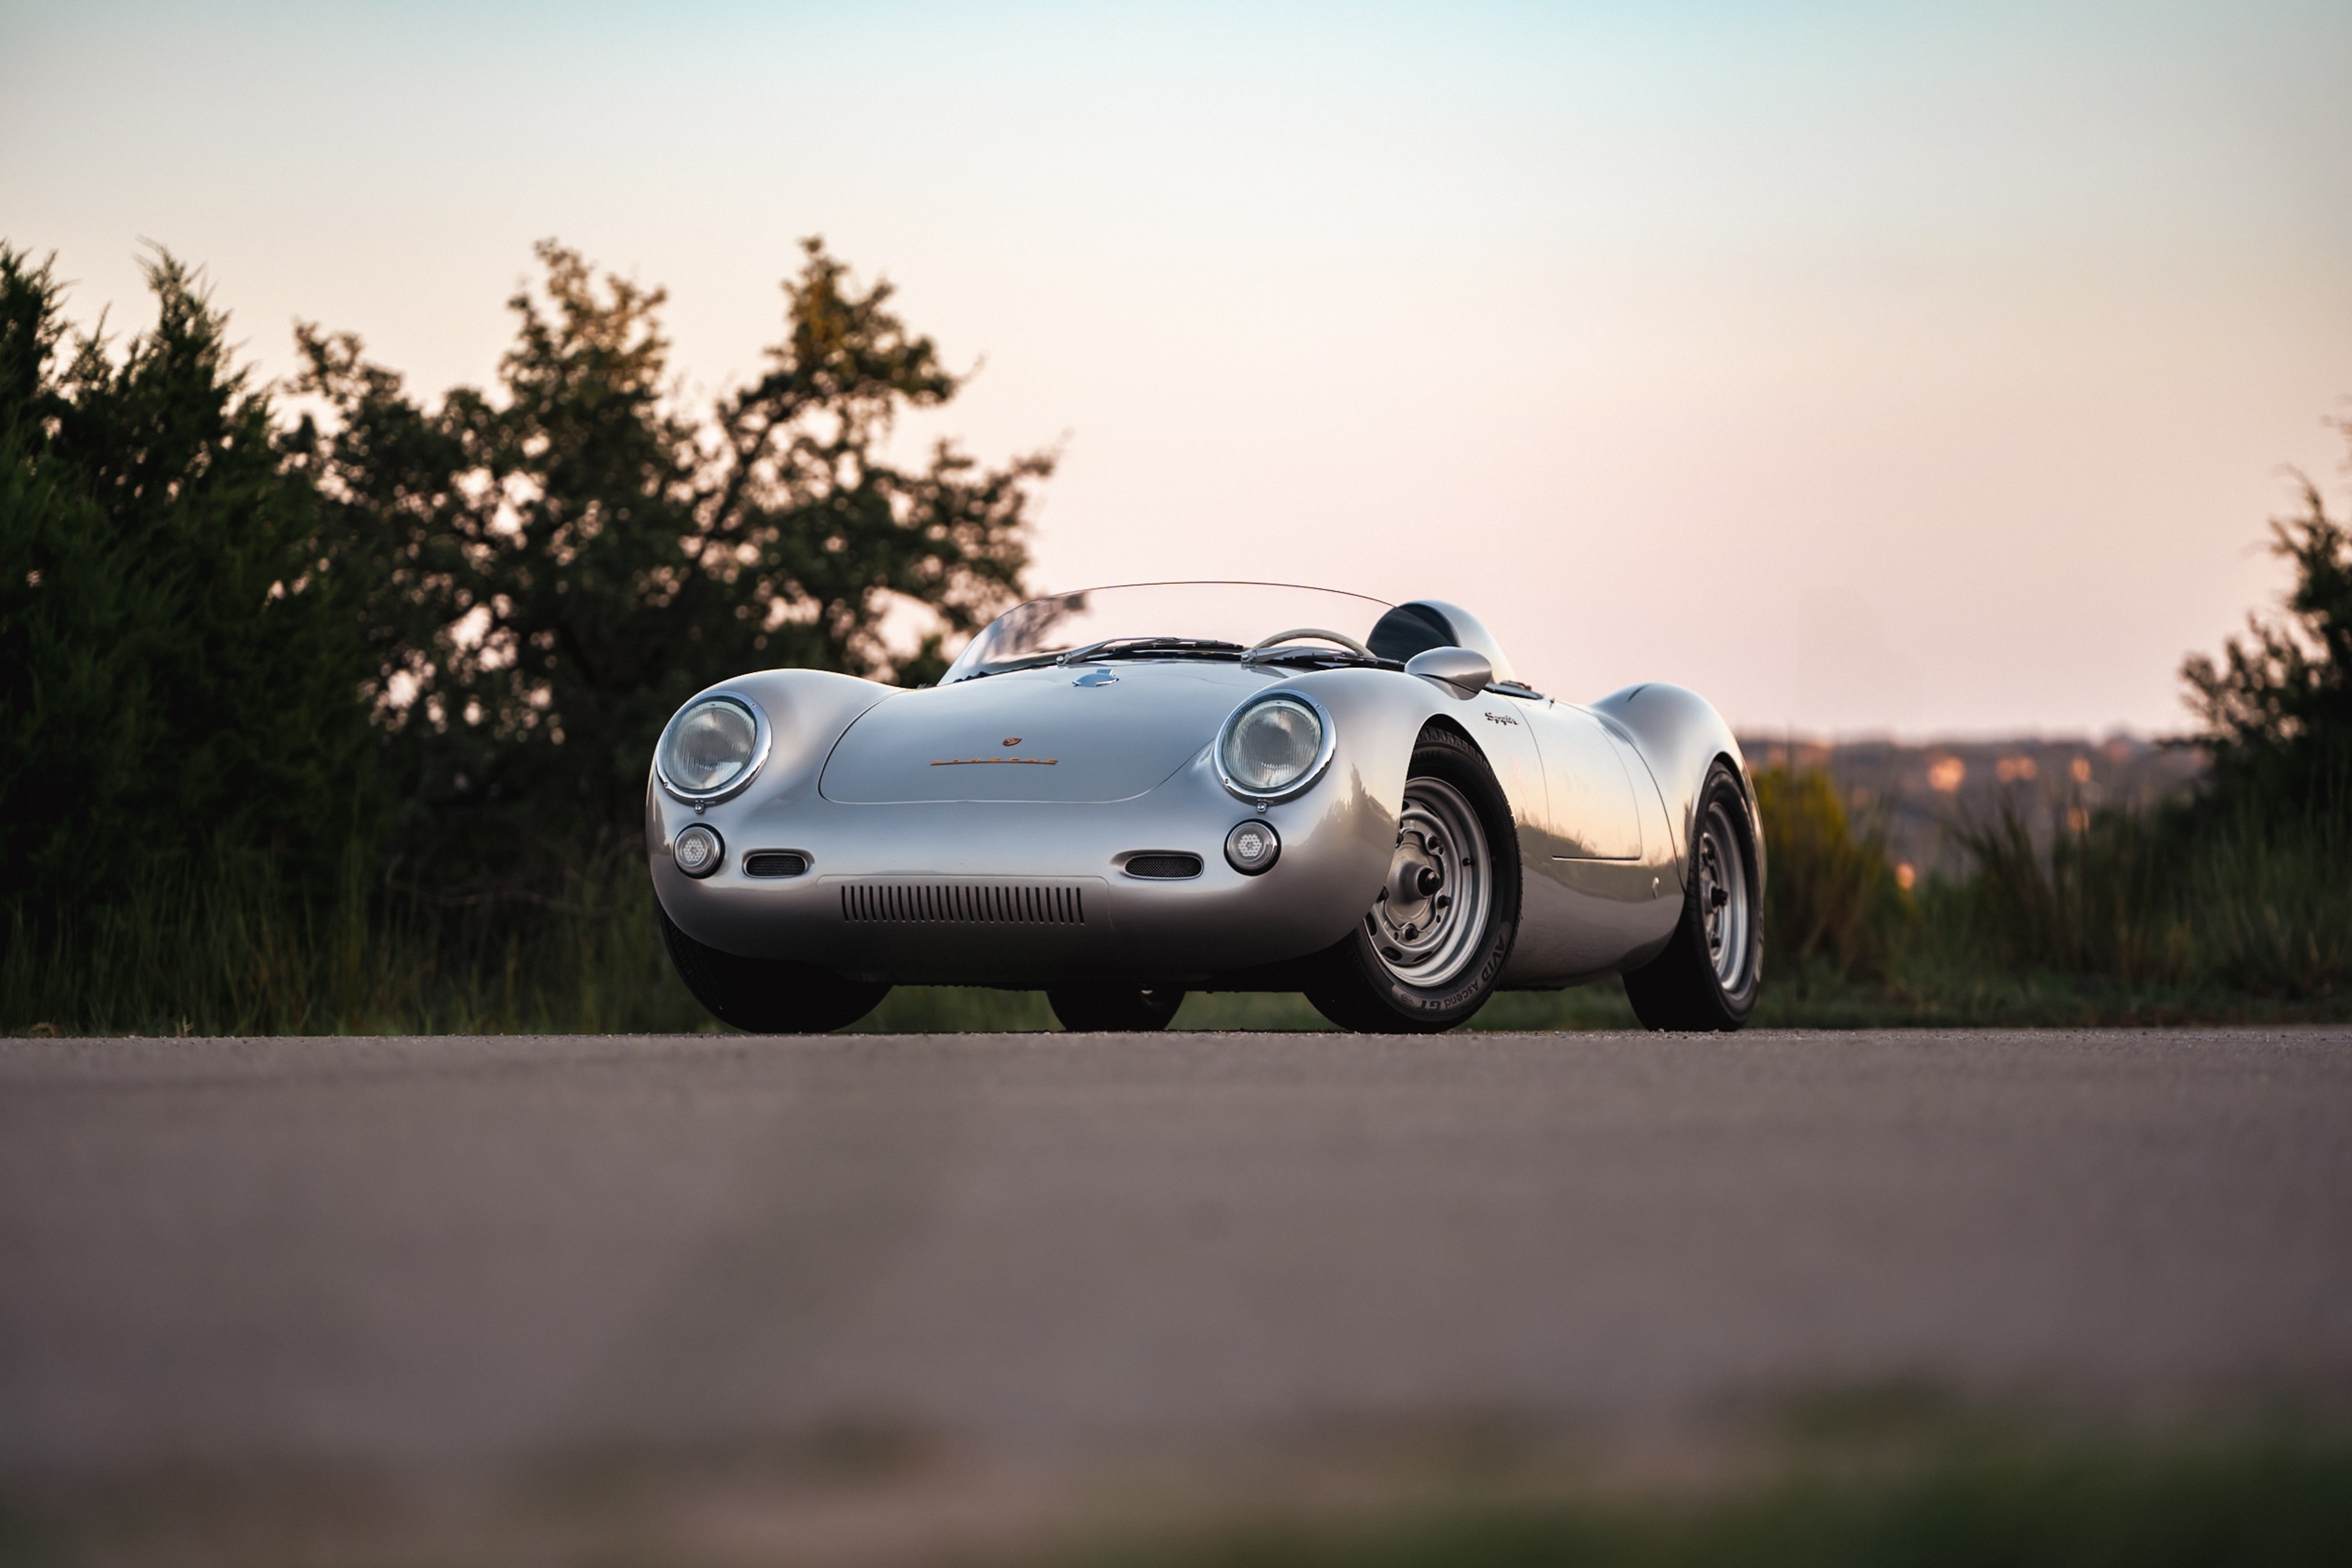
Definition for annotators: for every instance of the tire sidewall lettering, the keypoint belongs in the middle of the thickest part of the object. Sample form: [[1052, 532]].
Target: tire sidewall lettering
[[1465, 997]]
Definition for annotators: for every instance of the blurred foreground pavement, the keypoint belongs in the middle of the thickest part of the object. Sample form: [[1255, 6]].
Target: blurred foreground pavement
[[447, 1259]]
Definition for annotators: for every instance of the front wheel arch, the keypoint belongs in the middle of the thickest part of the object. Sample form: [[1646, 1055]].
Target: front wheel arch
[[1369, 986]]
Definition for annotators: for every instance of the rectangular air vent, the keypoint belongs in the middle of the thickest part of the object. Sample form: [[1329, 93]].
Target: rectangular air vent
[[960, 903], [774, 863], [1167, 866]]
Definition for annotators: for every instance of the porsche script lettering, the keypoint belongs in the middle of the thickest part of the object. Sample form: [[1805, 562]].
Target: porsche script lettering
[[983, 761]]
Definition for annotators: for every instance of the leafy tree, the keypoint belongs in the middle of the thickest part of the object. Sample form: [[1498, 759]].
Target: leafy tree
[[178, 668], [2278, 706], [557, 566]]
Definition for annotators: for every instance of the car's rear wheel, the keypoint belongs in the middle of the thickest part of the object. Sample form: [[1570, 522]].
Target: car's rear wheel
[[1426, 956], [1113, 1010], [1713, 968], [767, 995]]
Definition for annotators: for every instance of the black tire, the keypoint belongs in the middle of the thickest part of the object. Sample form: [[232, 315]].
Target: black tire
[[1113, 1010], [1376, 981], [767, 995], [1713, 968]]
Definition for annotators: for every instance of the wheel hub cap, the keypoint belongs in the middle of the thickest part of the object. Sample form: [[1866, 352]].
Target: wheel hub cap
[[1723, 898], [1430, 913]]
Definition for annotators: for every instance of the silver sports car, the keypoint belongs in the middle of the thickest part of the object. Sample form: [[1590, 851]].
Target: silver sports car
[[1128, 793]]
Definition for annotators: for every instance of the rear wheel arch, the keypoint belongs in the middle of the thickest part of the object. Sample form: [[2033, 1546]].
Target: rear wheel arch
[[1709, 973], [1738, 768]]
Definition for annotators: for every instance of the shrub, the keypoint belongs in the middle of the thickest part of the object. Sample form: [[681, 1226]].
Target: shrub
[[1830, 895]]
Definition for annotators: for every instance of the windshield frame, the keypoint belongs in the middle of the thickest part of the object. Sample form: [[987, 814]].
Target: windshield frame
[[965, 668]]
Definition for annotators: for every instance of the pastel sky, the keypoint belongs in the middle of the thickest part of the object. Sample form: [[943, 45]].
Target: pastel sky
[[1865, 367]]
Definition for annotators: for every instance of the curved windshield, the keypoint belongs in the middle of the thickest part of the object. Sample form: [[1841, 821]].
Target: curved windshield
[[1166, 619]]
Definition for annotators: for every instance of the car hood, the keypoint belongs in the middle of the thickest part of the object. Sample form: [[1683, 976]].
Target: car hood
[[1083, 733]]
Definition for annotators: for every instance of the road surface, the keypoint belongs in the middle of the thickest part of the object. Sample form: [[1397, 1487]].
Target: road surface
[[454, 1252]]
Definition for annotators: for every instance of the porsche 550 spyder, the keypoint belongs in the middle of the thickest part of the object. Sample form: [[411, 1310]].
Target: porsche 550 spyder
[[1125, 794]]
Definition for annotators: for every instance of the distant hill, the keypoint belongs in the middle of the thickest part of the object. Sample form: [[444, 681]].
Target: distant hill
[[1918, 793]]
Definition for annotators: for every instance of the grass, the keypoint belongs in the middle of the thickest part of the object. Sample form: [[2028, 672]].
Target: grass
[[2216, 912], [2254, 903], [1864, 1480], [2249, 1505], [227, 951]]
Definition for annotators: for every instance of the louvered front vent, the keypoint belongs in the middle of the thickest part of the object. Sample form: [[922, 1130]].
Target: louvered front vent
[[960, 903]]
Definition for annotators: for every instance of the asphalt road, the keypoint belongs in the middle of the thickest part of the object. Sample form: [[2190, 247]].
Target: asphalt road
[[453, 1251]]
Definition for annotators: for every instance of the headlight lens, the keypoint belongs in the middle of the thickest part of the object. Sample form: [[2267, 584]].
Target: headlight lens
[[1272, 745], [711, 745]]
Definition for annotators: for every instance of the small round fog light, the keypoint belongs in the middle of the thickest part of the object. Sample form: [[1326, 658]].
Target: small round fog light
[[698, 850], [1252, 848]]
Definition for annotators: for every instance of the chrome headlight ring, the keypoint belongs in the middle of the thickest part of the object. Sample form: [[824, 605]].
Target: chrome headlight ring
[[762, 737], [1306, 780]]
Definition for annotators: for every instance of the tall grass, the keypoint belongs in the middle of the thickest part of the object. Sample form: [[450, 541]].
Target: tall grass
[[2230, 906], [228, 948], [2224, 894]]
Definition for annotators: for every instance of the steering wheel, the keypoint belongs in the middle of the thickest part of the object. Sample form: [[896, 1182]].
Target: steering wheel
[[1296, 633]]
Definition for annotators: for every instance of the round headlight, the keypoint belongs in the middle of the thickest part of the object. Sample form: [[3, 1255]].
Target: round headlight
[[1274, 747], [710, 749]]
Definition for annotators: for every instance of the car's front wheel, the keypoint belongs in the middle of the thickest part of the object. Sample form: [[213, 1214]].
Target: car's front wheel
[[767, 995], [1709, 975], [1426, 956]]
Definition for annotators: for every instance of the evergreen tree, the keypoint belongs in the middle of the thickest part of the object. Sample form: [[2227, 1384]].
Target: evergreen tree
[[179, 668], [2278, 706]]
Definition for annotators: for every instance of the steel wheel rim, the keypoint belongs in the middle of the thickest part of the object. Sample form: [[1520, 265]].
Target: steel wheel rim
[[1723, 898], [1425, 933]]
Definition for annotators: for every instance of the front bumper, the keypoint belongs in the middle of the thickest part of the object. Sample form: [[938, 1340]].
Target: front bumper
[[1028, 894]]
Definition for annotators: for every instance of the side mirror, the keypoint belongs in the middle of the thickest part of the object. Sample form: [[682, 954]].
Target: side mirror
[[1464, 671]]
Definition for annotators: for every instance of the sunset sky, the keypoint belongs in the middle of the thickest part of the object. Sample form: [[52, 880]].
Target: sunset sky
[[1867, 368]]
